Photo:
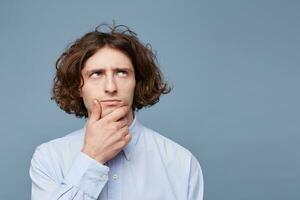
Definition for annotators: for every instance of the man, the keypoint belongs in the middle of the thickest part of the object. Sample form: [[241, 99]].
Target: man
[[106, 77]]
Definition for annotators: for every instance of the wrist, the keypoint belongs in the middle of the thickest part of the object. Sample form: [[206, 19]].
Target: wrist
[[93, 155]]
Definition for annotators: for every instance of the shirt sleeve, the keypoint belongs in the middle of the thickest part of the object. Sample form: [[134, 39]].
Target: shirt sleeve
[[196, 184], [85, 179]]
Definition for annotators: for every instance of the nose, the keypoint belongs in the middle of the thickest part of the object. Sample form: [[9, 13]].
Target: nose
[[110, 85]]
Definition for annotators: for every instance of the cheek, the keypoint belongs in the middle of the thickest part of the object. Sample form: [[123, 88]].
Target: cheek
[[131, 88], [127, 90], [88, 94], [91, 89]]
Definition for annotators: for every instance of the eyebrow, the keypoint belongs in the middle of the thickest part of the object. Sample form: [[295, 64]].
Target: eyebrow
[[103, 69]]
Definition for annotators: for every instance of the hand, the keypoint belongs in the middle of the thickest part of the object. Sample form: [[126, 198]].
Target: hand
[[105, 137]]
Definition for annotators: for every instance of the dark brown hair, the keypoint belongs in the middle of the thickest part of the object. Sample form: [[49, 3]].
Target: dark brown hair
[[68, 79]]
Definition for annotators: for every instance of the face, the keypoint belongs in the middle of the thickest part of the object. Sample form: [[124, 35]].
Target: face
[[108, 77]]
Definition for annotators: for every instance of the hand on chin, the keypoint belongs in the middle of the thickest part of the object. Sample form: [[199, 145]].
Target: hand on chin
[[107, 110]]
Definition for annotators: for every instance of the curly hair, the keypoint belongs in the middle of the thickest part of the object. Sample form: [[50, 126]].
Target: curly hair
[[68, 79]]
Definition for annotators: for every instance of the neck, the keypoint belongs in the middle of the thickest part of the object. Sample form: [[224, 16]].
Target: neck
[[130, 117]]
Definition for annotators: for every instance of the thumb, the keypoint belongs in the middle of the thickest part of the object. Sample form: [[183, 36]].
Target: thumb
[[96, 111]]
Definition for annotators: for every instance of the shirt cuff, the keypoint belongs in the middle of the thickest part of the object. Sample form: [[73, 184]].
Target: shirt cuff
[[88, 175]]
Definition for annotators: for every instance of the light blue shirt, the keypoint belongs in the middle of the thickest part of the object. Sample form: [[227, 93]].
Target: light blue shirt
[[150, 167]]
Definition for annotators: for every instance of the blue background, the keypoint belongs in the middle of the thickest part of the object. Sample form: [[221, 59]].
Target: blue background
[[235, 70]]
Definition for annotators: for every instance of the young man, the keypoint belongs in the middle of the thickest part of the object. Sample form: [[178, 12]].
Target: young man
[[106, 77]]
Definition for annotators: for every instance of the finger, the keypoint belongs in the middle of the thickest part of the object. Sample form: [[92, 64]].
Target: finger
[[121, 123], [96, 111], [123, 142], [119, 135], [117, 114], [123, 132], [127, 138]]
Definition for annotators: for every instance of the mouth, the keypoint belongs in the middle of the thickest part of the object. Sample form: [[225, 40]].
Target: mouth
[[111, 102]]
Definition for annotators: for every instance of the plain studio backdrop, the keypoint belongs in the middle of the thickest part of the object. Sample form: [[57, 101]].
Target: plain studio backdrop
[[234, 66]]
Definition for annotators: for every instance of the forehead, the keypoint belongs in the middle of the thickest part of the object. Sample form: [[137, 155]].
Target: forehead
[[108, 58]]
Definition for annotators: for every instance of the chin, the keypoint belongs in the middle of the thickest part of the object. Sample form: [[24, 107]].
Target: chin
[[108, 110]]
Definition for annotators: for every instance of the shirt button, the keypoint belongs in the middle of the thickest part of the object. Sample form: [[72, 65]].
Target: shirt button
[[102, 177], [115, 176]]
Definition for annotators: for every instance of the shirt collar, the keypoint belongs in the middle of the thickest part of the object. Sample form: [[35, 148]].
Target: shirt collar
[[134, 130]]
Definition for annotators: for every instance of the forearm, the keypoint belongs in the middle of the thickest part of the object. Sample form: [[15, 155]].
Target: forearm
[[85, 179]]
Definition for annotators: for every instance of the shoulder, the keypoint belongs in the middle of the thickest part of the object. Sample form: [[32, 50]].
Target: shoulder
[[60, 150], [170, 150], [55, 157], [179, 162], [72, 138]]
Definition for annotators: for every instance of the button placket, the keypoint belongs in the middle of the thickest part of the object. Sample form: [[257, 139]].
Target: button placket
[[114, 182], [115, 177]]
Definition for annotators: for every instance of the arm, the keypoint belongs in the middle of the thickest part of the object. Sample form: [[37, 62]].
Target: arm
[[85, 179], [195, 189], [104, 139]]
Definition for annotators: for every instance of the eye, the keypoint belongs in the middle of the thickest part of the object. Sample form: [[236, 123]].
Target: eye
[[122, 73], [95, 74]]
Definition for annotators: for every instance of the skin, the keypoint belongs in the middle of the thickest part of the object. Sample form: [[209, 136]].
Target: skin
[[108, 75]]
